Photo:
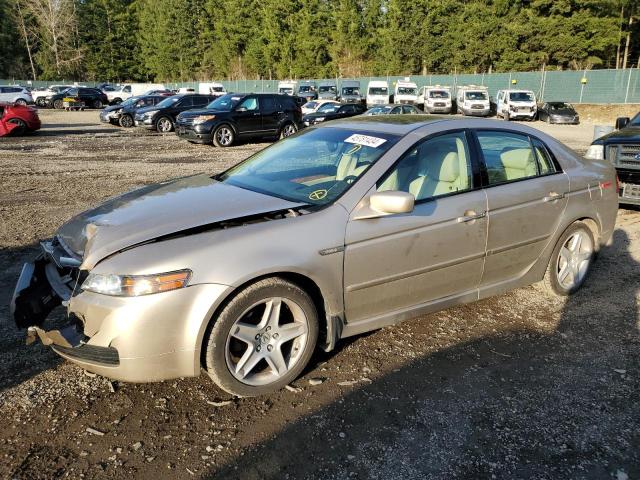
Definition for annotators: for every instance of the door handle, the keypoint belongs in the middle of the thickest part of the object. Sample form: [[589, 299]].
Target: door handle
[[470, 216], [552, 197]]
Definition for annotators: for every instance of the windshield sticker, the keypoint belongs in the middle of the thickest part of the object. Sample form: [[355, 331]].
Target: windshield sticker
[[365, 140], [318, 194]]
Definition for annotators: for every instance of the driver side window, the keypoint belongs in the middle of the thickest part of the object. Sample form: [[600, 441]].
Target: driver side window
[[438, 166], [249, 104]]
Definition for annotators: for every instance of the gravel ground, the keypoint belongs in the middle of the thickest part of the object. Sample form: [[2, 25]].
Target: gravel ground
[[518, 386]]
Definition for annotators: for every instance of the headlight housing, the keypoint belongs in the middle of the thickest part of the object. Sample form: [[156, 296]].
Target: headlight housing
[[319, 119], [135, 285], [151, 113], [595, 152], [203, 118]]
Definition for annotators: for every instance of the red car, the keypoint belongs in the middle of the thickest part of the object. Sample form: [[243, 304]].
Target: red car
[[18, 119]]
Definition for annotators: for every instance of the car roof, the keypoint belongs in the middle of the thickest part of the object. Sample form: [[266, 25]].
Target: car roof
[[394, 124]]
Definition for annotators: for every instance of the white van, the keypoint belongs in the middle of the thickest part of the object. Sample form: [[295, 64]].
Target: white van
[[131, 89], [287, 87], [377, 93], [406, 92], [435, 99], [515, 104], [212, 88], [473, 100]]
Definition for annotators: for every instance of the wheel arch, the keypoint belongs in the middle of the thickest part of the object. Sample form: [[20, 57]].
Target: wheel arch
[[329, 328]]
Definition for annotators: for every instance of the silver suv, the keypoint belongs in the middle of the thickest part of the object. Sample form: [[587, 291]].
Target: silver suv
[[15, 94]]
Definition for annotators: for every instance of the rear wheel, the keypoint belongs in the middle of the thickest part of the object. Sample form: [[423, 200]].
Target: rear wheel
[[21, 101], [58, 104], [223, 136], [262, 339], [40, 102], [505, 116], [570, 261], [164, 125], [126, 121], [97, 104], [21, 126], [288, 130]]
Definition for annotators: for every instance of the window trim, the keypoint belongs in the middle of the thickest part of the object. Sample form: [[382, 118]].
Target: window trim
[[476, 183], [483, 166]]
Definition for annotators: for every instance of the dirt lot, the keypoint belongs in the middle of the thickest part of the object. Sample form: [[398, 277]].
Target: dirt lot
[[518, 386]]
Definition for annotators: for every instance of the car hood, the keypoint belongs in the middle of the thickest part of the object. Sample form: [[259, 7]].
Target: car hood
[[158, 210], [112, 108], [151, 108], [202, 111], [563, 112], [626, 134]]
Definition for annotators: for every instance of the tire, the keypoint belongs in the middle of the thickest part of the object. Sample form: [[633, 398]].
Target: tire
[[505, 116], [126, 121], [21, 101], [164, 125], [40, 102], [116, 101], [245, 316], [97, 104], [58, 104], [224, 136], [20, 129], [287, 130], [562, 256]]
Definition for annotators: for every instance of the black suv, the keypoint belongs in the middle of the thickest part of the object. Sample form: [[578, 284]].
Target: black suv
[[622, 149], [241, 115], [162, 117], [124, 113], [92, 97], [333, 111]]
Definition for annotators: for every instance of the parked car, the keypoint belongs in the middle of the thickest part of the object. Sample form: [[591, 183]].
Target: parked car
[[558, 112], [405, 92], [131, 89], [307, 90], [392, 109], [162, 117], [287, 87], [313, 105], [212, 88], [17, 119], [327, 90], [332, 111], [435, 99], [621, 148], [42, 97], [15, 94], [516, 104], [335, 231], [124, 113], [236, 116], [473, 100], [92, 97], [161, 93], [377, 93], [350, 92]]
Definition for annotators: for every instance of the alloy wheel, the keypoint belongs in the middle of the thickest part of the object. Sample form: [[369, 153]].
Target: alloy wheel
[[164, 125], [224, 135], [288, 130], [574, 259], [266, 341]]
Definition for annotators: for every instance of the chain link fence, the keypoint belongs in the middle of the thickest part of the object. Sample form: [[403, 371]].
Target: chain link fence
[[589, 86]]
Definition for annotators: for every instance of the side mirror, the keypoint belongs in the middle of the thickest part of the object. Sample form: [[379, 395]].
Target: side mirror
[[621, 122], [381, 204]]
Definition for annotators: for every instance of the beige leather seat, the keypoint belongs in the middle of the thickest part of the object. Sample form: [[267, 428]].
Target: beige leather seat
[[348, 166], [518, 163], [441, 176]]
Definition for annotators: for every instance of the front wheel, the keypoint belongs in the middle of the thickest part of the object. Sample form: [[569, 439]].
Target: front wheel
[[570, 261], [21, 126], [288, 130], [58, 104], [126, 121], [97, 104], [21, 101], [223, 136], [262, 339], [164, 125]]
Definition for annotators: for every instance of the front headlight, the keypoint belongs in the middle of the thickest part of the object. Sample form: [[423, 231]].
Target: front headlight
[[135, 285], [203, 118], [595, 152], [319, 119], [151, 113]]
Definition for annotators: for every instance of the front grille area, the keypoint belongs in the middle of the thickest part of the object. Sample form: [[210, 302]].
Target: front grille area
[[439, 104], [185, 120], [624, 155], [477, 106]]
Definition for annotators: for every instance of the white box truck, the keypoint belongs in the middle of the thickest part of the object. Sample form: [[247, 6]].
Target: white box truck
[[128, 90], [435, 99], [473, 100], [406, 92], [516, 104], [377, 93], [212, 88], [287, 87]]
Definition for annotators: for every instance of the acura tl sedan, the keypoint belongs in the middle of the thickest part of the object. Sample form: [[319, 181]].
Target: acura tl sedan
[[337, 230]]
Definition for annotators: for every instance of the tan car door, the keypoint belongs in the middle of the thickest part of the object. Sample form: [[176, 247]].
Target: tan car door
[[396, 263], [526, 197]]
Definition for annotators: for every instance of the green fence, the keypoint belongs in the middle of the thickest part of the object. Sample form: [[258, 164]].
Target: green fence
[[591, 86]]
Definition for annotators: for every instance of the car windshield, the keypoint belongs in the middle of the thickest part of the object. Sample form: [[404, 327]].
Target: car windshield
[[305, 89], [328, 107], [378, 110], [314, 167], [70, 91], [350, 91], [635, 121], [438, 94], [226, 103], [480, 95], [216, 89], [406, 91], [167, 102], [560, 106], [310, 105], [378, 91], [521, 97], [129, 101], [285, 90], [328, 89]]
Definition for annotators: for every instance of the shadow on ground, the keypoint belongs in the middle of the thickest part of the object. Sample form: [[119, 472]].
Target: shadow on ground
[[517, 404]]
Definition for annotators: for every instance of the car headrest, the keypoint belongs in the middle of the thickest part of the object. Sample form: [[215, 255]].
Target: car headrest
[[447, 170], [516, 158]]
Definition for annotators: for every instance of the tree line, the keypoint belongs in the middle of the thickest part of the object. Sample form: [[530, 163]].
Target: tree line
[[180, 40]]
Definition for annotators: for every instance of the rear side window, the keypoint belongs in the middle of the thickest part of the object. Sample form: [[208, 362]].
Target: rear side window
[[507, 156], [546, 164]]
